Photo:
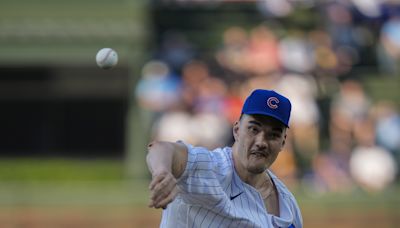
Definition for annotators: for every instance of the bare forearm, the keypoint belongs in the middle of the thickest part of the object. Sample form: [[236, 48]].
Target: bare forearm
[[166, 162], [159, 157], [166, 157]]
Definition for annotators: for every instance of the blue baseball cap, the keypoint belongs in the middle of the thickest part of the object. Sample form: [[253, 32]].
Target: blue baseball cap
[[269, 103]]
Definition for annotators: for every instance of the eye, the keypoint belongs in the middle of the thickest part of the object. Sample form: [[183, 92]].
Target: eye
[[274, 135], [253, 129]]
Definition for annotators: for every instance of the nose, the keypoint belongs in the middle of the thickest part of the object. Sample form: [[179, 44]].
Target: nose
[[260, 141]]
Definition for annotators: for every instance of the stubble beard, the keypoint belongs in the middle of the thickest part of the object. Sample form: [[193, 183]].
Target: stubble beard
[[256, 170]]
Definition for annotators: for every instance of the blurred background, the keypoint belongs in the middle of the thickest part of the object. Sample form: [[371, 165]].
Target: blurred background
[[73, 136]]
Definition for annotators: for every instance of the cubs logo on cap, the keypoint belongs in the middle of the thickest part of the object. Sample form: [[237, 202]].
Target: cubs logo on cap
[[269, 103], [272, 102]]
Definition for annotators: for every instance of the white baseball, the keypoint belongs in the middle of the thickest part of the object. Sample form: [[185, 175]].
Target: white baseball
[[106, 58]]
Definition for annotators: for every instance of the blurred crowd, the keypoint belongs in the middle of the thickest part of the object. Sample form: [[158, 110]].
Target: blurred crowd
[[339, 138]]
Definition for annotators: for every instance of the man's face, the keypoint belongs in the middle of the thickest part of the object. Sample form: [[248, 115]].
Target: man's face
[[259, 139]]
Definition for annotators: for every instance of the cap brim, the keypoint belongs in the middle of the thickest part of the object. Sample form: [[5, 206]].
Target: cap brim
[[266, 114]]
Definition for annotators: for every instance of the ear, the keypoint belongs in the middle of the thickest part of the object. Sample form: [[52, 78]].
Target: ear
[[236, 130], [284, 140]]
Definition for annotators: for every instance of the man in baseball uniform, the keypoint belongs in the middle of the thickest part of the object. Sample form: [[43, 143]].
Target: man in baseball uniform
[[230, 186]]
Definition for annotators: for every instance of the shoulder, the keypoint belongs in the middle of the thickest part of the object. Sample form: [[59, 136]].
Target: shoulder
[[201, 159], [203, 178], [222, 155], [218, 155]]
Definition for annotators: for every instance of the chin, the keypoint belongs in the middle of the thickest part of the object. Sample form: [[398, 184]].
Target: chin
[[257, 169]]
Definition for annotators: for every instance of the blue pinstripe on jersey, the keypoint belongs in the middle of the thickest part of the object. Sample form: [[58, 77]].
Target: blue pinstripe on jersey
[[206, 186]]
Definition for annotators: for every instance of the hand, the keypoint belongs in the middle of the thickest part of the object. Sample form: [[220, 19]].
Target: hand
[[163, 190]]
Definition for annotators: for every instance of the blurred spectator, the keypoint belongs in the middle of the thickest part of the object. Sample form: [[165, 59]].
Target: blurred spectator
[[200, 118], [372, 167], [277, 8], [389, 46], [348, 110], [207, 129], [331, 173], [173, 126], [260, 81], [296, 53], [156, 92], [210, 130], [387, 120], [233, 103], [304, 125], [193, 74], [342, 31], [157, 89], [211, 96], [325, 58], [203, 92], [232, 53], [261, 55], [340, 23], [369, 8], [253, 54], [176, 50], [285, 166]]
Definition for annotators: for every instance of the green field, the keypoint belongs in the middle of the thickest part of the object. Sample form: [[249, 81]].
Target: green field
[[71, 193]]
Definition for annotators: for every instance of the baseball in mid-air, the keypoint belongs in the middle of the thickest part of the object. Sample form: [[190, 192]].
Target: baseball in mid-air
[[106, 58]]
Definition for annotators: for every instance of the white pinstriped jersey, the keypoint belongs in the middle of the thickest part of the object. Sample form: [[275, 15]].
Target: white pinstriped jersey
[[213, 195]]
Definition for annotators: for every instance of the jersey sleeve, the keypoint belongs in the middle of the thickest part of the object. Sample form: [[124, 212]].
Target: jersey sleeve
[[199, 183]]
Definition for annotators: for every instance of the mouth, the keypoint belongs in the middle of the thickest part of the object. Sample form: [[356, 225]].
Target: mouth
[[259, 153]]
